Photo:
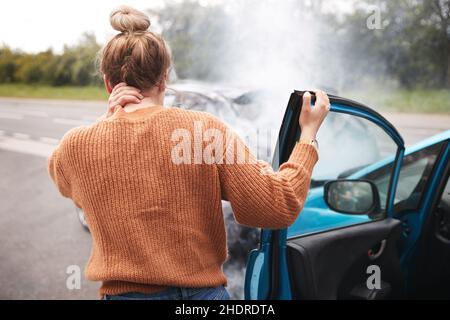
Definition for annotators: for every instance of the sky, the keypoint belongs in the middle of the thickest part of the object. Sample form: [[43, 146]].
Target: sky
[[36, 25]]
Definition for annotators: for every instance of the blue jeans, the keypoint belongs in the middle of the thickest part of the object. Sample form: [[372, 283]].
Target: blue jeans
[[219, 293]]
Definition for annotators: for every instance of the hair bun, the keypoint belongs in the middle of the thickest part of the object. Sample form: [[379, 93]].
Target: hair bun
[[125, 19]]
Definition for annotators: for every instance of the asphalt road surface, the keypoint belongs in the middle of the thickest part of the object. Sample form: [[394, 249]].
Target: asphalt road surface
[[40, 236]]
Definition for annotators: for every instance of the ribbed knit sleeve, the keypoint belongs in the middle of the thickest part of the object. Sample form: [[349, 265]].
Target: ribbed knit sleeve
[[261, 197], [56, 172]]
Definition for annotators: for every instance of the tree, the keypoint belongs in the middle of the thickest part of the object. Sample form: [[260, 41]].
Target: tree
[[8, 65], [33, 68], [84, 67], [195, 35], [413, 45]]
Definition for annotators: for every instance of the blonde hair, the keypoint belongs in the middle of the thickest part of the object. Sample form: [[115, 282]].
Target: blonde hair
[[135, 56]]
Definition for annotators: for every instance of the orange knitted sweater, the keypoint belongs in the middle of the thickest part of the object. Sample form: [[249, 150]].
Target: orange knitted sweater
[[156, 222]]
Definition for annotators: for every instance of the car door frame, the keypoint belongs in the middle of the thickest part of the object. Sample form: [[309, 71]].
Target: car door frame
[[428, 228], [422, 215], [273, 278]]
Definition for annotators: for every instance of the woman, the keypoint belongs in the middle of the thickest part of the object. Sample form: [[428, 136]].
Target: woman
[[151, 179]]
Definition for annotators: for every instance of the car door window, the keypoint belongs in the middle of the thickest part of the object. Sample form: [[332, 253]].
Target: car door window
[[348, 144], [414, 175], [349, 147], [443, 213], [445, 199]]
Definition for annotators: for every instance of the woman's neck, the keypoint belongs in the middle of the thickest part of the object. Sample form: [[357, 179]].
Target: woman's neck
[[150, 99]]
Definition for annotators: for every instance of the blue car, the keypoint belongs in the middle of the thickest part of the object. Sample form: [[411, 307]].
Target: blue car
[[376, 223]]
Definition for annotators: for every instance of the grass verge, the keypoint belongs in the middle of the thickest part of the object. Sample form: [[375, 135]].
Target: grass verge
[[421, 101], [49, 92]]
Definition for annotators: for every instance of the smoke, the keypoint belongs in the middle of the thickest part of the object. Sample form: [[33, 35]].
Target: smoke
[[270, 47], [302, 44], [285, 44], [278, 46], [273, 44]]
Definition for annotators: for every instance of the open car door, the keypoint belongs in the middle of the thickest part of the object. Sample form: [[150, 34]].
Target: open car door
[[331, 251]]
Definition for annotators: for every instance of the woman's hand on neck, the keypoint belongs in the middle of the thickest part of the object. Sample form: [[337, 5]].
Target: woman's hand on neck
[[152, 97]]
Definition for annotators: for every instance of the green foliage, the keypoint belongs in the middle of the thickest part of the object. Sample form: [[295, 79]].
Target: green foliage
[[413, 47], [42, 91], [33, 68], [75, 66], [8, 65], [195, 34]]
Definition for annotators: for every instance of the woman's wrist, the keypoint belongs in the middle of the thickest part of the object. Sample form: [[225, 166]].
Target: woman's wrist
[[308, 134]]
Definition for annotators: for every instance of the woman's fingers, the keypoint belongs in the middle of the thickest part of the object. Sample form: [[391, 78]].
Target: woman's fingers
[[311, 118], [126, 99], [123, 100], [320, 95], [322, 99], [121, 95], [124, 88], [119, 85], [131, 92], [306, 102]]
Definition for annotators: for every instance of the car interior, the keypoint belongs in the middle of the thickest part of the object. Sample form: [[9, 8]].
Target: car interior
[[333, 264]]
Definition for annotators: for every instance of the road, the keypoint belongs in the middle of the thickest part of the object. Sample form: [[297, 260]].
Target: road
[[40, 236]]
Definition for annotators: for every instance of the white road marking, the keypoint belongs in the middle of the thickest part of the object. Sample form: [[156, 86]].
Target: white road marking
[[71, 122], [26, 146], [22, 136], [40, 114], [10, 115], [49, 140]]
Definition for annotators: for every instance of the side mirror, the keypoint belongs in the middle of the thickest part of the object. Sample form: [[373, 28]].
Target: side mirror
[[358, 197]]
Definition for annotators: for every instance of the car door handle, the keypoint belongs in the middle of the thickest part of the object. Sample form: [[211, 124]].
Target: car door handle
[[375, 255]]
